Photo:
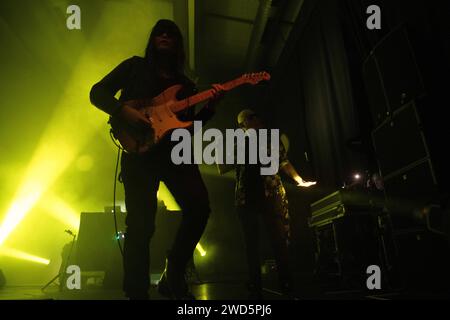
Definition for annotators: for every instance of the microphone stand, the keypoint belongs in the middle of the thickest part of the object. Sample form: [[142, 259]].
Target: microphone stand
[[63, 272]]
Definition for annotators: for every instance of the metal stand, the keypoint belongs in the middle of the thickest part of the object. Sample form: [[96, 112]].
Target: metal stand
[[63, 272]]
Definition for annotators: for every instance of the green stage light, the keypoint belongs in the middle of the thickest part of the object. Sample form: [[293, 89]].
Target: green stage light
[[165, 196], [200, 249]]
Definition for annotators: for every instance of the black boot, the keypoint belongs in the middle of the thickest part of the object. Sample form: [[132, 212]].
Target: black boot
[[173, 283]]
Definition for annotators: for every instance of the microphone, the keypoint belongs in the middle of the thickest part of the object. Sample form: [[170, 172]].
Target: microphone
[[69, 232]]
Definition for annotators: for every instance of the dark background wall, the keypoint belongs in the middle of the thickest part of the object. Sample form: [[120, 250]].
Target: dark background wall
[[318, 97]]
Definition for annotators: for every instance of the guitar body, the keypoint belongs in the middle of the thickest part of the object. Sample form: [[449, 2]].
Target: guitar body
[[158, 111]]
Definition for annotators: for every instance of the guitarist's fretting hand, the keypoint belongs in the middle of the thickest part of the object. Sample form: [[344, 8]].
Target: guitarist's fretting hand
[[134, 117], [218, 93], [218, 90]]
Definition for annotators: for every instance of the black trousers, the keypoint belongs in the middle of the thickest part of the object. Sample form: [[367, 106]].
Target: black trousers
[[250, 215], [141, 176]]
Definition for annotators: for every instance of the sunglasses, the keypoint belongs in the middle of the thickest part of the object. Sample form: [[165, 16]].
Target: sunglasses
[[171, 33]]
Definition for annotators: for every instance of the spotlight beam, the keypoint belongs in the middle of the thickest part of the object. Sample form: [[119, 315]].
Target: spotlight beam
[[74, 122], [14, 253], [200, 249]]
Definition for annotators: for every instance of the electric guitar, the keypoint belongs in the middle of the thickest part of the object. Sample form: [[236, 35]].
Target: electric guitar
[[162, 112]]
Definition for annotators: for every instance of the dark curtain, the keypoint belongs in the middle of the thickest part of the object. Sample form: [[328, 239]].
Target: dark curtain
[[315, 104], [330, 115]]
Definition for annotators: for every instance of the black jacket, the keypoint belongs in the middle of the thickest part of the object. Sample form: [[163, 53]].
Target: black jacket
[[137, 80]]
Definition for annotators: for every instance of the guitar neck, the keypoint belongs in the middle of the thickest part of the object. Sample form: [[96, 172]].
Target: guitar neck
[[204, 95]]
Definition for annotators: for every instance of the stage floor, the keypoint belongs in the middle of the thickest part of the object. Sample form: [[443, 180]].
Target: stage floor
[[208, 291]]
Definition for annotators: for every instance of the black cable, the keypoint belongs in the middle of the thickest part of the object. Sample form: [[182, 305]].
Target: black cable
[[111, 134], [119, 151]]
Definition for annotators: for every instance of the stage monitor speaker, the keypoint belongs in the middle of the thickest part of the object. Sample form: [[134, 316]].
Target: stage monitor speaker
[[96, 241], [415, 182], [391, 75], [399, 141], [375, 90], [404, 160], [422, 262], [97, 248]]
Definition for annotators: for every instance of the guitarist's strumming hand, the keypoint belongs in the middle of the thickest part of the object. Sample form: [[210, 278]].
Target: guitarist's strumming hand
[[134, 118]]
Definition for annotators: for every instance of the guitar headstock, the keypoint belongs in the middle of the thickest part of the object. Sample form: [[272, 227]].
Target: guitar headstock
[[254, 78]]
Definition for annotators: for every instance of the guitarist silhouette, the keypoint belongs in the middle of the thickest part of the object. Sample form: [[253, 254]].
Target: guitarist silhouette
[[141, 80]]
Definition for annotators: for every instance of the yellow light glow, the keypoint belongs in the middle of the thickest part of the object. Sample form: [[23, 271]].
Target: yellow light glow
[[74, 121], [57, 149], [48, 162], [84, 163], [200, 249], [29, 194], [62, 211], [13, 253]]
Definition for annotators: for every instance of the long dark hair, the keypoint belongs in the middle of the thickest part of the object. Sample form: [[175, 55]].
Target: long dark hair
[[151, 54]]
